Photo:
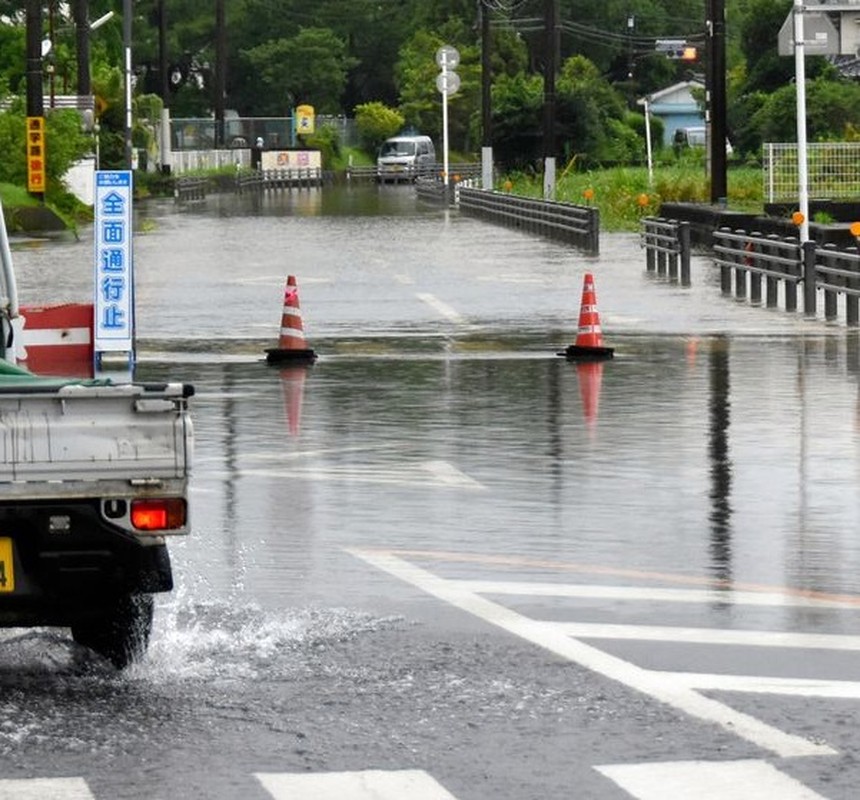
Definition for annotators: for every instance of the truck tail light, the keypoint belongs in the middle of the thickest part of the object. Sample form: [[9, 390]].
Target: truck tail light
[[159, 514]]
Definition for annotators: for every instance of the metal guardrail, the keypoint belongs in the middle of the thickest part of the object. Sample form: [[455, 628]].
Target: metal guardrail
[[461, 171], [785, 261], [269, 179], [667, 246], [189, 189], [578, 225]]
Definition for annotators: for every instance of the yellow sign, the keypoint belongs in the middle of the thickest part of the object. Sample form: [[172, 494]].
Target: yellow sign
[[7, 571], [35, 154], [304, 119]]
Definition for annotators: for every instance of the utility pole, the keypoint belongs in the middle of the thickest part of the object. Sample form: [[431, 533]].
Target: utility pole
[[35, 102], [486, 77], [220, 71], [486, 99], [551, 44], [164, 75], [716, 95], [82, 39], [551, 59]]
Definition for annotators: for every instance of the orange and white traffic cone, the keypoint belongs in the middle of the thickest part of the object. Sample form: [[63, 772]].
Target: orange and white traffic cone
[[589, 338], [292, 346]]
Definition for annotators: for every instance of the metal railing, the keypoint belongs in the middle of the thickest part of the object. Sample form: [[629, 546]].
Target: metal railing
[[750, 259], [269, 179], [578, 225], [667, 247], [456, 171]]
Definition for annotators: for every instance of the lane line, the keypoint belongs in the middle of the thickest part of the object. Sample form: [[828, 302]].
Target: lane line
[[430, 473], [619, 572], [716, 636], [707, 780], [756, 684], [660, 686], [373, 784], [632, 593], [46, 789], [441, 308]]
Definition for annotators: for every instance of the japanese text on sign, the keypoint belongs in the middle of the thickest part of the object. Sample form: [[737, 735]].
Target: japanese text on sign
[[35, 154], [114, 285]]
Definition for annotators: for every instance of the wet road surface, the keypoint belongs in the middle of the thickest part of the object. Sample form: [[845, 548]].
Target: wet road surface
[[448, 557]]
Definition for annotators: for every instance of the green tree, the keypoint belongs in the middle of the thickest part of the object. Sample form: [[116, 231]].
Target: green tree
[[421, 102], [310, 68]]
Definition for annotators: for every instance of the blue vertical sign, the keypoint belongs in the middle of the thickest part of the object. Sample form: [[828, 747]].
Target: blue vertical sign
[[114, 267]]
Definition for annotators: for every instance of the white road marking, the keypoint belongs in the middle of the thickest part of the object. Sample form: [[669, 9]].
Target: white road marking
[[366, 785], [428, 473], [661, 633], [754, 684], [652, 595], [46, 789], [661, 686], [707, 780], [442, 308]]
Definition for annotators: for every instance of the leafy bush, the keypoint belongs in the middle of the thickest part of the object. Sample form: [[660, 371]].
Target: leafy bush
[[327, 140], [375, 123]]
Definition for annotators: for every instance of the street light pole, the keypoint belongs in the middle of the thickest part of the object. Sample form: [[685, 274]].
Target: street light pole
[[717, 98], [126, 40]]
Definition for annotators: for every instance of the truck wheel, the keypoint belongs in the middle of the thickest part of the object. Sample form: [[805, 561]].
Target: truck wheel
[[121, 631]]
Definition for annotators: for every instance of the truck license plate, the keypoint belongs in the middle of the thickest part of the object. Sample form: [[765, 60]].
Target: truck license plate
[[7, 574]]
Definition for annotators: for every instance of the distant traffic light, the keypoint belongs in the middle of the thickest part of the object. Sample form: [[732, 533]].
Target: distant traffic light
[[677, 49]]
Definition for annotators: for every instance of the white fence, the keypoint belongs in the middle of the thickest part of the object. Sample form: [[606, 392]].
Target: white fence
[[834, 171], [188, 160]]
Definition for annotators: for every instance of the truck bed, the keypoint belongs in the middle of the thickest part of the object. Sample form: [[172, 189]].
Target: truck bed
[[53, 430]]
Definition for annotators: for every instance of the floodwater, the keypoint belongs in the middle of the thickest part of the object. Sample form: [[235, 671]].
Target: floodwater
[[721, 441]]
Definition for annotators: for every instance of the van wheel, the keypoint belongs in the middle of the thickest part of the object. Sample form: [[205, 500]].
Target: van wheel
[[120, 631]]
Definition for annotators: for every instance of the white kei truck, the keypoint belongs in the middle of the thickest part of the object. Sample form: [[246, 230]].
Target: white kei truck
[[93, 482]]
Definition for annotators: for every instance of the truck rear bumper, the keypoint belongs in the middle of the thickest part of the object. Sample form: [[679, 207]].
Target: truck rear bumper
[[58, 575]]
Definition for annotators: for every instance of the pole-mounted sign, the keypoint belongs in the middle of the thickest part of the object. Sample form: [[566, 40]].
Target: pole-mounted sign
[[114, 273], [447, 82]]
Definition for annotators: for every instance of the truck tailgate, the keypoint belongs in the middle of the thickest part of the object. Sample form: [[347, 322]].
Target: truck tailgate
[[87, 432]]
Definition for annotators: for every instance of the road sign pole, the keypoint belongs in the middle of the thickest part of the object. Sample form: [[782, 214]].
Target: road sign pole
[[445, 123]]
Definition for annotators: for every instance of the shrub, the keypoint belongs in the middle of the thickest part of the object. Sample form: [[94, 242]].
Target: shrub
[[375, 123]]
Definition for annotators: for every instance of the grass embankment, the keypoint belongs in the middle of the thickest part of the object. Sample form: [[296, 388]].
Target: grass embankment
[[624, 196]]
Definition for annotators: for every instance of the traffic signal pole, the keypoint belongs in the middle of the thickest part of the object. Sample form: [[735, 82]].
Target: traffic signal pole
[[716, 98]]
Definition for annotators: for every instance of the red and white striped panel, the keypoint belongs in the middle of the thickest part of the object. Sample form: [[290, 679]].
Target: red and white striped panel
[[57, 340]]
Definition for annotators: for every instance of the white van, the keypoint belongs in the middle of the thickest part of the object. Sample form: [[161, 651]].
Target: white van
[[404, 158]]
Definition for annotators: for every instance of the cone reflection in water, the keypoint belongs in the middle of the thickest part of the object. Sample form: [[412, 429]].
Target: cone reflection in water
[[590, 375], [293, 389]]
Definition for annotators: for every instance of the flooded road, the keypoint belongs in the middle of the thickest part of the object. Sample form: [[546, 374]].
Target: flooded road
[[449, 556]]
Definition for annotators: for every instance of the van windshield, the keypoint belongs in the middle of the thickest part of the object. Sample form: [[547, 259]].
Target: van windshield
[[397, 148]]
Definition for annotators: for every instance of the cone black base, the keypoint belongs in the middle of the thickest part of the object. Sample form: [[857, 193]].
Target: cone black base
[[579, 353], [276, 355]]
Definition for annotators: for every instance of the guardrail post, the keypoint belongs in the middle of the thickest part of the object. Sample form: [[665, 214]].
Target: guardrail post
[[809, 289], [673, 252], [852, 301], [650, 264], [771, 283], [684, 239], [791, 285], [725, 275], [740, 272], [755, 277]]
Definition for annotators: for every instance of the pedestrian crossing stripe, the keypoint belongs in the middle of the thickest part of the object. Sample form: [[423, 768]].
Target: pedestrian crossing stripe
[[707, 780], [683, 695], [364, 785], [45, 789]]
